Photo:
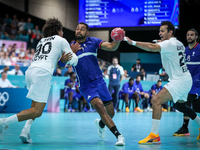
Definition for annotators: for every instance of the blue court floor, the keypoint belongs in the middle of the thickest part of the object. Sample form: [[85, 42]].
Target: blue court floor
[[77, 131]]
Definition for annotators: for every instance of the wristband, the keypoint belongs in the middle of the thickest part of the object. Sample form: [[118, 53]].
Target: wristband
[[61, 64], [133, 43]]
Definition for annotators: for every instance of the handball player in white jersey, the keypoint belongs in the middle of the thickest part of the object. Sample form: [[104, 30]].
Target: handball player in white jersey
[[38, 76], [173, 59]]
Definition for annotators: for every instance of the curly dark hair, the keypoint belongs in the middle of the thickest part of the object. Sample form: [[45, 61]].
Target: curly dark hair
[[51, 27]]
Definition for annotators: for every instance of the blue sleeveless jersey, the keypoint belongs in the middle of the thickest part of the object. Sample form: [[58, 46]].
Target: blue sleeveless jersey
[[193, 64]]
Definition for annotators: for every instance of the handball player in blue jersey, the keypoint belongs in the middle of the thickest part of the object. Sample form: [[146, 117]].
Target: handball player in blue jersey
[[90, 79], [192, 52]]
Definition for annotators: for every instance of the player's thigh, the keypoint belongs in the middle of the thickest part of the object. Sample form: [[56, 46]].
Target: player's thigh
[[103, 92], [162, 97]]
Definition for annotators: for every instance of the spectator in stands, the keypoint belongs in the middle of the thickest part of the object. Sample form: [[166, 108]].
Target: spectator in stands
[[1, 57], [99, 62], [14, 25], [20, 51], [13, 59], [71, 91], [32, 53], [115, 72], [17, 71], [5, 69], [69, 71], [21, 24], [29, 26], [7, 21], [143, 74], [129, 92], [36, 36], [6, 59], [103, 66], [9, 49], [18, 35], [142, 94], [3, 48], [57, 72], [155, 89], [105, 75], [24, 36], [163, 75], [137, 67], [5, 83], [5, 36]]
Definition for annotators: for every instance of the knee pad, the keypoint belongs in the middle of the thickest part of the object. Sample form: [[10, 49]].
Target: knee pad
[[105, 103]]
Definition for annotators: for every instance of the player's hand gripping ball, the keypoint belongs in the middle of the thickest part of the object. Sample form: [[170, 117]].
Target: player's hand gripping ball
[[117, 34]]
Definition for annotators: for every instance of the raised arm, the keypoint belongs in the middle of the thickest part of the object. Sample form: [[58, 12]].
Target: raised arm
[[107, 46], [147, 46]]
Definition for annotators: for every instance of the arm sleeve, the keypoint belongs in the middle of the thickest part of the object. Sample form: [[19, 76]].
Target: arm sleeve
[[125, 88], [66, 48], [164, 46], [108, 72], [121, 70], [98, 42]]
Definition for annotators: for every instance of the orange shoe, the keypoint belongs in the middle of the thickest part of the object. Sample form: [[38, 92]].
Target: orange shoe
[[164, 110], [127, 110], [151, 139], [137, 109], [198, 137]]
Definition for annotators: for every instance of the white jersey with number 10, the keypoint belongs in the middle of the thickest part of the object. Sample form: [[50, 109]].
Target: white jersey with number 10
[[48, 52]]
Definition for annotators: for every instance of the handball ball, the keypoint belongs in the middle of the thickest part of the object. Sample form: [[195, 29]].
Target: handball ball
[[117, 34]]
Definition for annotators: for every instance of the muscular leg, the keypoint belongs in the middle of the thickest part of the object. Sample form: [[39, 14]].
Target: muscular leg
[[126, 98]]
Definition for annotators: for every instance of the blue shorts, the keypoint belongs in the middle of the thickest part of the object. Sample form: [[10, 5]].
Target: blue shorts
[[96, 89], [76, 96], [122, 97]]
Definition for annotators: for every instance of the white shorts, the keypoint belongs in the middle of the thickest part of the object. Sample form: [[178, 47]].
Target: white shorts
[[38, 83], [180, 88]]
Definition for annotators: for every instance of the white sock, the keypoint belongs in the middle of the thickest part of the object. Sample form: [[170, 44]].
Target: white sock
[[10, 120], [197, 120], [155, 126], [28, 124]]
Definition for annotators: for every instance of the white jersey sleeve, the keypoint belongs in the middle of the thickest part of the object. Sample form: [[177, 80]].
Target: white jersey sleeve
[[66, 48]]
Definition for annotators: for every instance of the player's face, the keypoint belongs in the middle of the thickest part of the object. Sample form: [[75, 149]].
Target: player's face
[[138, 79], [159, 84], [164, 34], [191, 37], [115, 62], [81, 32], [60, 33], [131, 82]]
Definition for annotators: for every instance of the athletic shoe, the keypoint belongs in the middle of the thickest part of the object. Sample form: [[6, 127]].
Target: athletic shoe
[[25, 136], [137, 109], [182, 132], [2, 128], [151, 139], [149, 109], [198, 137], [101, 131], [164, 110], [120, 141], [127, 110], [85, 109], [70, 109]]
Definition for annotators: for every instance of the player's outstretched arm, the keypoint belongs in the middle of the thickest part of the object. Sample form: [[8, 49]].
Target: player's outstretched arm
[[153, 47], [107, 46]]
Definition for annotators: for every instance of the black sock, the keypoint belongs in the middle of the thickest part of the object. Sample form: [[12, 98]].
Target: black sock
[[136, 105], [185, 123], [101, 124], [126, 104], [115, 131], [69, 105]]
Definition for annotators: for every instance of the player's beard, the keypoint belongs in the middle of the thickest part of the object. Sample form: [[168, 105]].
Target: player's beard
[[191, 42], [80, 37]]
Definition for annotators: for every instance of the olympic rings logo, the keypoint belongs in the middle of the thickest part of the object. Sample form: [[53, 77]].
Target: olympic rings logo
[[4, 97]]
